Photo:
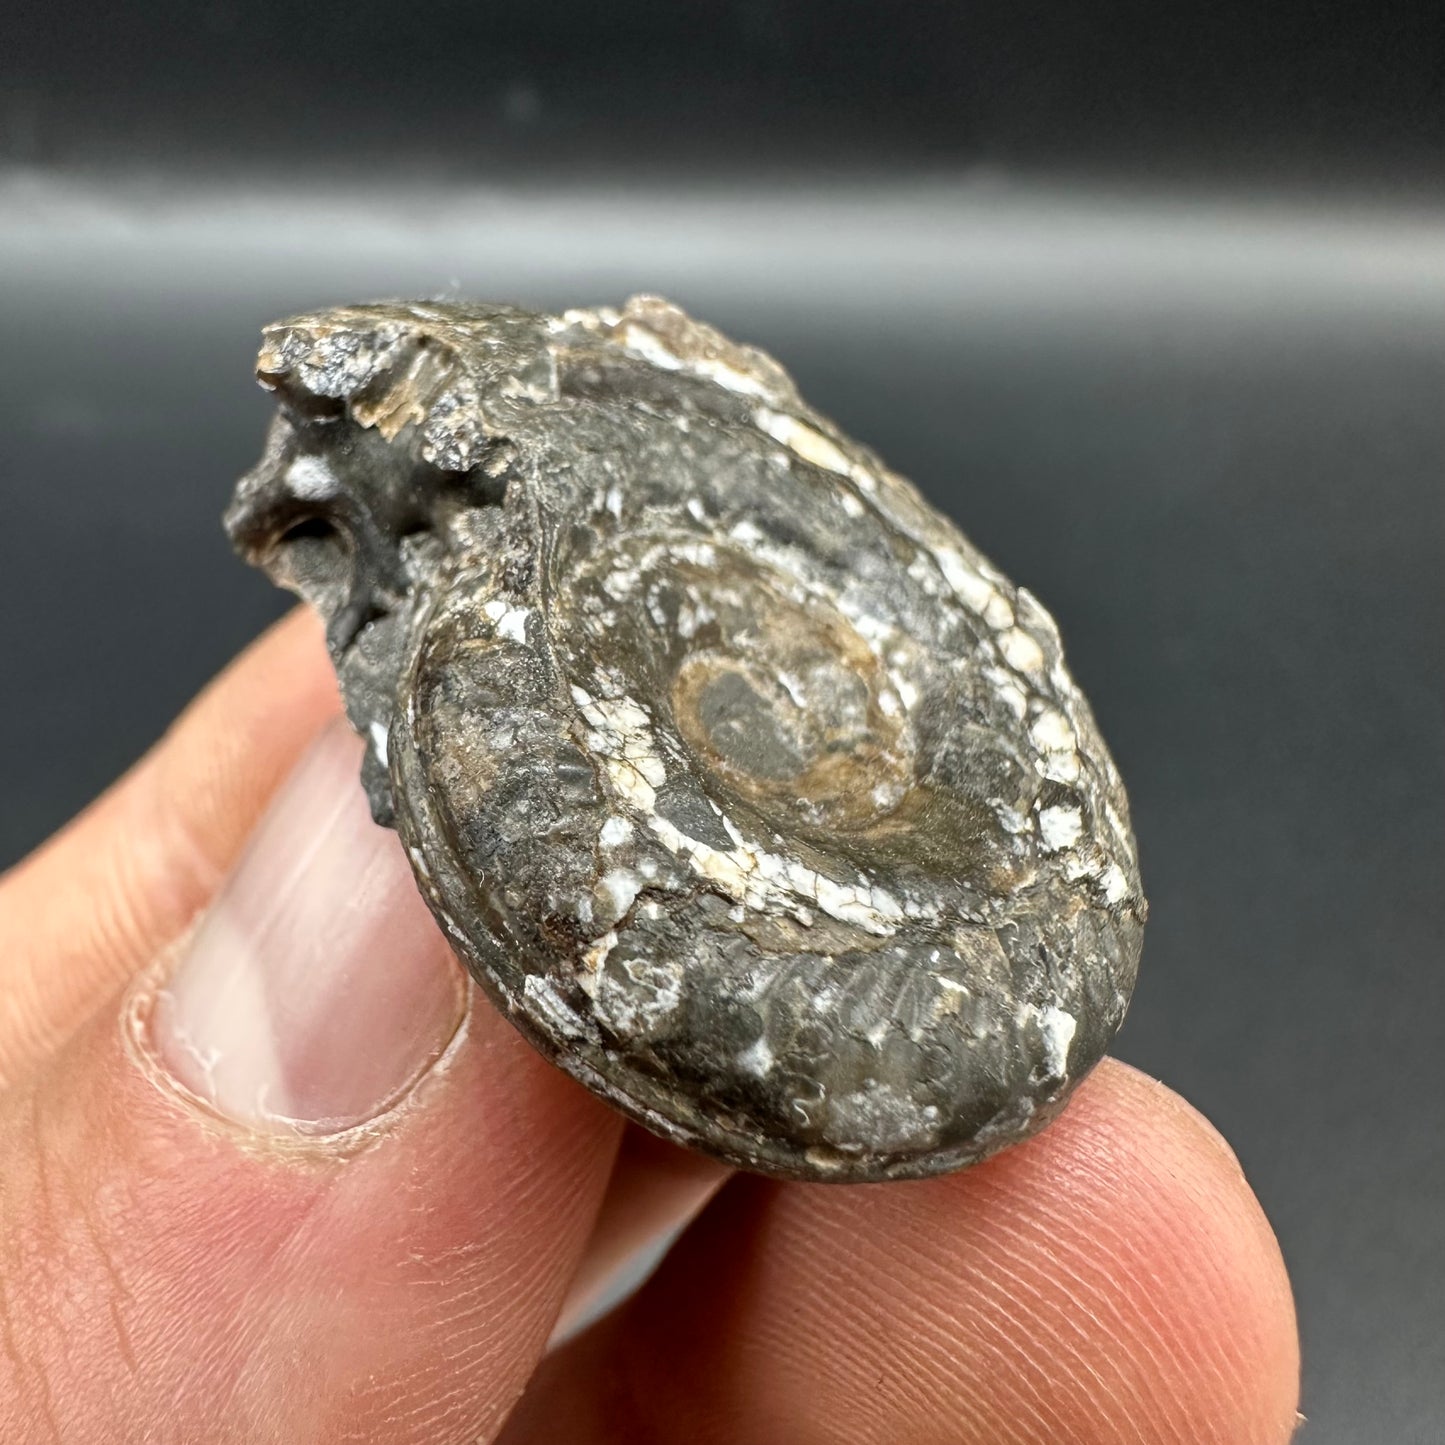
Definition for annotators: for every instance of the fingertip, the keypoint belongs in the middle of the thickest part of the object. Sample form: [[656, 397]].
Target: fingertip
[[1112, 1280], [1122, 1269], [1120, 1091], [106, 894], [230, 748], [1185, 1246]]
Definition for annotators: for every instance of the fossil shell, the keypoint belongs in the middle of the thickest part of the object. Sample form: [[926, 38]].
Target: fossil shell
[[758, 799]]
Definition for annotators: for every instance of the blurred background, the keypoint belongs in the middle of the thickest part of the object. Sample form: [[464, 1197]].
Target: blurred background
[[1148, 297]]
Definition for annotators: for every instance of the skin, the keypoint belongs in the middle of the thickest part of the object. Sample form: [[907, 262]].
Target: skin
[[164, 1277]]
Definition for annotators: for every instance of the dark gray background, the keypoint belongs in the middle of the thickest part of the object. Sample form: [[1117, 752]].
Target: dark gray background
[[1150, 299]]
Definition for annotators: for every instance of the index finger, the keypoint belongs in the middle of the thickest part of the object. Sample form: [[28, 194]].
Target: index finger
[[1112, 1281]]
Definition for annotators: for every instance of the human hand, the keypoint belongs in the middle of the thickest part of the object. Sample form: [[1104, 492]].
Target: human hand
[[281, 1176]]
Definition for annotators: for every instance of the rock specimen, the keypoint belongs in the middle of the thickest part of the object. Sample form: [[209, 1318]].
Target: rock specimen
[[756, 798]]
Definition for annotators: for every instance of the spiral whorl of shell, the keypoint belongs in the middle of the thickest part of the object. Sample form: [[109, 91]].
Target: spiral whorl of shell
[[761, 801]]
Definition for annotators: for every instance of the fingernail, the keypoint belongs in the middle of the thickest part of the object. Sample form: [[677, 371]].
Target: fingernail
[[317, 989]]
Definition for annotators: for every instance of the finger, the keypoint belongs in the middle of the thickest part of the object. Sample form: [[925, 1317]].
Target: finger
[[1113, 1280], [109, 891], [656, 1189], [307, 1192]]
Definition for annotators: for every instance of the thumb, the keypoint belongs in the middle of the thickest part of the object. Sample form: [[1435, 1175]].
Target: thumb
[[302, 1184]]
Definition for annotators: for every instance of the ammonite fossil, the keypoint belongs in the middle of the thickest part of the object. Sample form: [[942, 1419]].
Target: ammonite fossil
[[757, 798]]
